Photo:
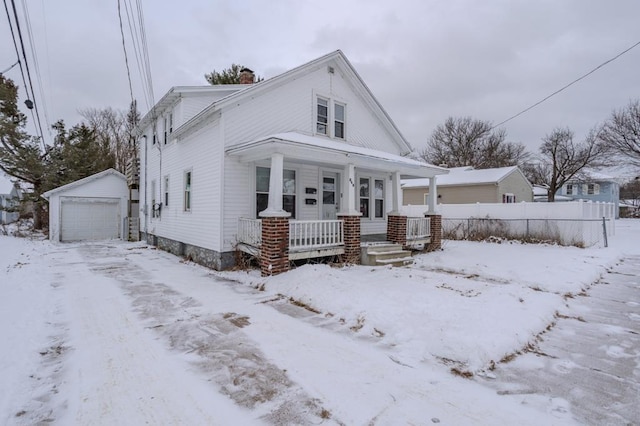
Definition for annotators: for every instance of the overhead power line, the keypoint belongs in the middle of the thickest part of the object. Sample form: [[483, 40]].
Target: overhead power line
[[124, 48], [567, 85], [11, 67]]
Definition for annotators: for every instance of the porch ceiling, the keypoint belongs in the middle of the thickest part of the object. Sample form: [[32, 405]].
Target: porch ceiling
[[321, 150]]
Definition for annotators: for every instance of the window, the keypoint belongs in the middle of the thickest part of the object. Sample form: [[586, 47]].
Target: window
[[378, 194], [170, 122], [263, 176], [364, 197], [371, 196], [187, 191], [154, 139], [165, 129], [591, 189], [570, 189], [166, 191], [508, 198], [338, 112], [322, 116], [426, 198]]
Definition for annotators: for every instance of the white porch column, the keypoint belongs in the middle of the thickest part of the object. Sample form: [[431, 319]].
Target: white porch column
[[274, 208], [433, 195], [348, 202], [396, 194]]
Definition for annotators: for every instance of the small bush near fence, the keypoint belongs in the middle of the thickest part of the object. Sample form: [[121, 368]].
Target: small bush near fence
[[553, 231]]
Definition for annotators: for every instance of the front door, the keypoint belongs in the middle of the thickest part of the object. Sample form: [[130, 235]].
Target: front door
[[330, 195]]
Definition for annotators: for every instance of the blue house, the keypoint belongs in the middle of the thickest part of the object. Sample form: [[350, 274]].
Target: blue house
[[593, 186], [9, 199]]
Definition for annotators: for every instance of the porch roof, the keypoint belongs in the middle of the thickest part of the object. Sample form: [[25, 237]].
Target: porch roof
[[321, 150]]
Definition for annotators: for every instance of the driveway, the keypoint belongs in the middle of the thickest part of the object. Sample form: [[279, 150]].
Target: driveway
[[591, 357]]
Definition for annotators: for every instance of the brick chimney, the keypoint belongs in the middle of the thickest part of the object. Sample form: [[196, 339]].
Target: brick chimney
[[247, 76]]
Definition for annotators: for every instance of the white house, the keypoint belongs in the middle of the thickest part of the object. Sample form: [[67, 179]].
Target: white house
[[93, 208], [311, 145], [10, 195]]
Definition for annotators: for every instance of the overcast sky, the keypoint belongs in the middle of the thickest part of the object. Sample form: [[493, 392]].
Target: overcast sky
[[424, 60]]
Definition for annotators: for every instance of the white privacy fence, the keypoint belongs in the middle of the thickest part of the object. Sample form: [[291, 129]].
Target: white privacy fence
[[577, 223]]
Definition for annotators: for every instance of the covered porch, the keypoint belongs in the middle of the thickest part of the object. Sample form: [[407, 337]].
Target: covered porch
[[360, 198]]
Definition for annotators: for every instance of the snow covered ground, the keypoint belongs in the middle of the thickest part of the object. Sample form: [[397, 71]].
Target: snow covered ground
[[121, 333]]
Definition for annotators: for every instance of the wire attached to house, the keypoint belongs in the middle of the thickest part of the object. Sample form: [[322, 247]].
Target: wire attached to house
[[11, 67], [567, 86]]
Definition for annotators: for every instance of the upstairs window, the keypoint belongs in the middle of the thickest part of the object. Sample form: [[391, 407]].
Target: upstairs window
[[165, 129], [322, 119], [338, 112], [170, 123]]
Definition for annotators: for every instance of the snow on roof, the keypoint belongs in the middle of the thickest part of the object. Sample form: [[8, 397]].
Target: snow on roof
[[6, 186], [82, 181], [329, 145], [464, 176]]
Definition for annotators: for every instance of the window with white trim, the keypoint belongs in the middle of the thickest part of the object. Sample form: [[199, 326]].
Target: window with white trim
[[188, 177], [591, 189], [338, 120], [165, 129], [331, 118], [371, 195], [508, 198], [263, 177], [170, 122], [570, 189], [426, 198], [322, 116]]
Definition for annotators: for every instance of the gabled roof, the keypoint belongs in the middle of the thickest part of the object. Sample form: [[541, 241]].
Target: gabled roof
[[463, 176], [83, 181], [176, 92], [336, 58], [322, 149], [592, 175]]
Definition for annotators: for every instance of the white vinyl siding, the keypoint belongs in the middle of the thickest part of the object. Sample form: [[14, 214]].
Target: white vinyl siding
[[292, 108]]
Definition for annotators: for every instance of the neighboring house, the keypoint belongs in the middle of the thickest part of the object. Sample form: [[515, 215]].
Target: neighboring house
[[465, 185], [593, 186], [311, 147], [541, 195], [10, 196], [92, 208]]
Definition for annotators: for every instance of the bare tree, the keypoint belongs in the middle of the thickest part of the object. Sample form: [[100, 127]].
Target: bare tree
[[562, 159], [621, 132], [464, 141], [115, 129]]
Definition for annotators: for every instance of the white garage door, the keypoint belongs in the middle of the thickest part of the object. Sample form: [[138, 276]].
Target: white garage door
[[89, 219]]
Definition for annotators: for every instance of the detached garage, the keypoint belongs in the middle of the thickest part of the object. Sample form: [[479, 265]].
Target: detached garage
[[92, 208]]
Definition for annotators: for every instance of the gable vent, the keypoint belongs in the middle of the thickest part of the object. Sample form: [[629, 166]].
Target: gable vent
[[331, 70]]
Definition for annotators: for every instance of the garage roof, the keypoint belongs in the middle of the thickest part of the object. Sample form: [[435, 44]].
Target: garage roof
[[80, 182]]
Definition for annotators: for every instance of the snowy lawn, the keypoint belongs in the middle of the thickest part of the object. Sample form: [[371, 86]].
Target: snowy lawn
[[468, 306], [119, 333]]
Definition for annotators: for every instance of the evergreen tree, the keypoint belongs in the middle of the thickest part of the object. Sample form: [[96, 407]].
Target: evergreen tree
[[229, 75]]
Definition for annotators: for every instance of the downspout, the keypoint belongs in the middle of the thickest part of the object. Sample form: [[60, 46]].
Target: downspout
[[146, 206]]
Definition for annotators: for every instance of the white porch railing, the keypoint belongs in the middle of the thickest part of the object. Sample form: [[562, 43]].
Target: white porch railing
[[250, 231], [303, 234], [418, 228], [315, 234]]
